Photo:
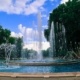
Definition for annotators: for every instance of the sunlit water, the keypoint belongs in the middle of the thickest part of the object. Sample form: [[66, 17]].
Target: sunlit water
[[40, 69]]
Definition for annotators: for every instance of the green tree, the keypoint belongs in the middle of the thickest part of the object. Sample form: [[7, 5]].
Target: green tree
[[12, 40], [69, 15], [5, 36], [45, 53], [19, 43]]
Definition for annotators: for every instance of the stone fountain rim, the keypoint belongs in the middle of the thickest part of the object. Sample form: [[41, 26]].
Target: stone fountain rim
[[43, 63], [40, 75]]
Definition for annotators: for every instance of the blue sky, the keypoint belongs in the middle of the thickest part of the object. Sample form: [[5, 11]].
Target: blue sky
[[18, 15]]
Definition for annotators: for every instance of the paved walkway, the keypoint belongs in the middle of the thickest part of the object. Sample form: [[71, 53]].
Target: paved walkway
[[39, 76]]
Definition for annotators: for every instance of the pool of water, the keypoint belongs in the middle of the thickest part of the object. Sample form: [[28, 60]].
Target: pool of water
[[41, 69]]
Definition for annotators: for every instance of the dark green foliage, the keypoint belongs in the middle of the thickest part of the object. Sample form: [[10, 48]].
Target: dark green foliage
[[69, 15], [12, 40], [5, 36], [45, 53], [46, 33], [19, 42], [26, 53], [2, 54]]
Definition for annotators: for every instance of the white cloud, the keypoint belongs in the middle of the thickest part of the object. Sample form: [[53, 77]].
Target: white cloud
[[45, 45], [30, 37], [26, 7], [30, 34], [22, 28], [34, 7], [26, 32], [13, 34], [63, 1]]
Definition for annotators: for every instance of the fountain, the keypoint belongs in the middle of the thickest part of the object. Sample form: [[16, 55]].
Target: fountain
[[39, 36], [8, 48], [52, 41], [38, 64]]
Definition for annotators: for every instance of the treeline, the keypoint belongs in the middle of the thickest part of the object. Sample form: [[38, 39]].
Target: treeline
[[6, 38], [67, 14]]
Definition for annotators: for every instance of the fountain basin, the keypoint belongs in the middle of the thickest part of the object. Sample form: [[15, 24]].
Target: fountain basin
[[40, 67], [43, 63]]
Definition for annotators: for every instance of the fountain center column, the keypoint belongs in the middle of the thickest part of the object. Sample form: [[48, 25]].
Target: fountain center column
[[39, 36]]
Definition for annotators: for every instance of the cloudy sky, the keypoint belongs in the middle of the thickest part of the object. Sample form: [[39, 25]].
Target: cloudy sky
[[20, 17]]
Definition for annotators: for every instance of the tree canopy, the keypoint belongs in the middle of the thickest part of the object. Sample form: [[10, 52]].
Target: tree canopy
[[69, 15], [5, 36], [19, 45]]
